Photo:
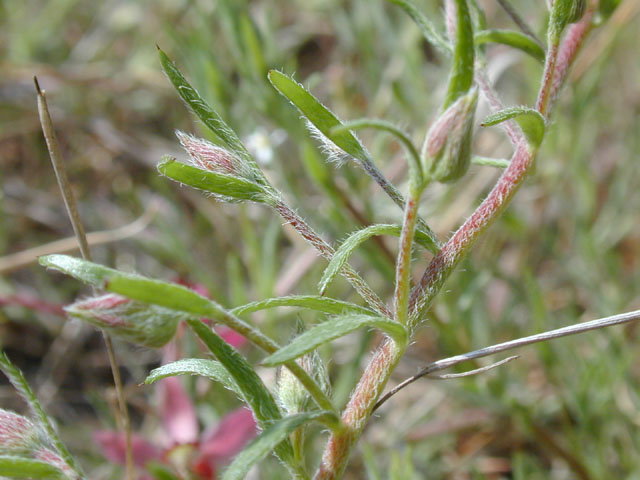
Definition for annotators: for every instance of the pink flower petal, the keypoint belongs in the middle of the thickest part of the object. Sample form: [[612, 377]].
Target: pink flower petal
[[228, 438], [112, 446], [177, 412]]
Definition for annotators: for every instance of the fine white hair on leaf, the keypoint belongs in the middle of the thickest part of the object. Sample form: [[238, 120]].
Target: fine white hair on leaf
[[334, 153]]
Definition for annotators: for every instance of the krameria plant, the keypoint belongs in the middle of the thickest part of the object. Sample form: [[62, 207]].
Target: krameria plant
[[149, 312]]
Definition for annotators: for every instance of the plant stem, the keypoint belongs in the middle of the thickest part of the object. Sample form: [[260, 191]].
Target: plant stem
[[403, 265], [78, 229], [327, 252], [385, 359]]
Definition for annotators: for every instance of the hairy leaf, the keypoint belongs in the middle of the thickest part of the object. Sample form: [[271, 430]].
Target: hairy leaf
[[253, 390], [330, 330], [312, 302], [211, 369], [21, 467], [354, 240], [513, 39], [227, 187], [266, 441], [530, 120]]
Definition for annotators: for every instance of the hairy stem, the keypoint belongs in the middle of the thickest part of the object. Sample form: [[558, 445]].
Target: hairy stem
[[403, 265], [385, 359], [327, 252]]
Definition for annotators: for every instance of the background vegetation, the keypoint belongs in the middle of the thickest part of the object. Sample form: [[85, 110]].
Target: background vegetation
[[568, 249]]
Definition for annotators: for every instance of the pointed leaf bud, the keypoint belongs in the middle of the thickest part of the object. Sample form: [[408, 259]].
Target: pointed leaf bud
[[207, 156], [135, 322], [446, 154], [17, 433], [292, 396], [563, 13]]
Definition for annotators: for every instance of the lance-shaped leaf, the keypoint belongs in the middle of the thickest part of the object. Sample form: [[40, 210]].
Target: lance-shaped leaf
[[168, 295], [530, 120], [426, 27], [267, 440], [312, 302], [512, 39], [342, 254], [21, 467], [330, 330], [461, 77], [319, 115], [336, 137], [210, 369], [205, 113], [228, 188], [253, 390]]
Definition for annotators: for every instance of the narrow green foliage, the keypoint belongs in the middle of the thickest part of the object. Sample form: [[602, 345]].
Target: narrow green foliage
[[563, 13], [429, 32], [330, 330], [607, 7], [490, 162], [203, 111], [529, 119], [253, 390], [210, 369], [312, 302], [19, 382], [461, 77], [324, 122], [318, 115], [512, 39], [261, 446], [21, 467], [227, 188], [354, 240]]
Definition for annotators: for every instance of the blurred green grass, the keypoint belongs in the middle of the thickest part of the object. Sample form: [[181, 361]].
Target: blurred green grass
[[567, 250]]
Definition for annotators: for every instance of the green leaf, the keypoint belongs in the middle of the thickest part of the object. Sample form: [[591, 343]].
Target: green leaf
[[208, 116], [325, 122], [168, 295], [253, 390], [21, 467], [461, 77], [319, 115], [490, 161], [342, 254], [513, 39], [530, 120], [211, 369], [227, 187], [312, 302], [330, 330], [266, 441], [19, 382], [426, 27]]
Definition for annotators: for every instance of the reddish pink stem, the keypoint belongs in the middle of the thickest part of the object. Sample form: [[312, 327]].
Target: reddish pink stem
[[385, 359]]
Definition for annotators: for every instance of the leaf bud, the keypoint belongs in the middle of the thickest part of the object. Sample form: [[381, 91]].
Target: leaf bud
[[17, 433], [565, 12], [446, 154], [136, 322]]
